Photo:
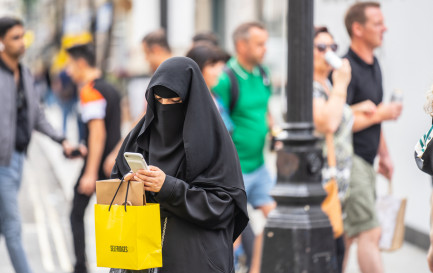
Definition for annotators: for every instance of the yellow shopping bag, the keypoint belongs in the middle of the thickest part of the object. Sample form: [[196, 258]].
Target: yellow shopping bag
[[128, 237]]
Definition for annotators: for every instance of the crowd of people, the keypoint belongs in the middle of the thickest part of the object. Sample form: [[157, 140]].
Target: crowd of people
[[203, 131]]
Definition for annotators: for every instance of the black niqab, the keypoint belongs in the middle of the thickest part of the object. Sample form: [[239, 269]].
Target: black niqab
[[210, 159], [165, 147]]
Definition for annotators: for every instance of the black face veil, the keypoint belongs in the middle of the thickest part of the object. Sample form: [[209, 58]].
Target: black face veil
[[164, 147], [204, 149]]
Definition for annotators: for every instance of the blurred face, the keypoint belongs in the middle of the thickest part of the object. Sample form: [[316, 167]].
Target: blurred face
[[254, 49], [322, 43], [372, 31], [13, 42], [76, 70], [211, 73], [151, 56]]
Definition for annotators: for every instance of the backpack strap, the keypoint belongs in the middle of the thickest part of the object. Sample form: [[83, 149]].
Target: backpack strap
[[234, 88], [265, 77], [234, 85]]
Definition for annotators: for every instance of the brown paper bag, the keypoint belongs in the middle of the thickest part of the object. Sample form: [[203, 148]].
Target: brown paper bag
[[106, 189]]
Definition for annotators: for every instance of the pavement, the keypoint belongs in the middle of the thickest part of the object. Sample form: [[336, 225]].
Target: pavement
[[45, 199]]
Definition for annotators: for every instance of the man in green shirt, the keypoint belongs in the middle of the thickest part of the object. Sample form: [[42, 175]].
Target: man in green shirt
[[249, 114]]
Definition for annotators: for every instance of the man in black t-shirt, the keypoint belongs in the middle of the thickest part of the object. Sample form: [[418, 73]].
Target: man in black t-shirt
[[100, 112], [365, 25]]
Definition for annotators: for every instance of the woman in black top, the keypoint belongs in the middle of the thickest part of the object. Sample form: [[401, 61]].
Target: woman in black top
[[194, 175]]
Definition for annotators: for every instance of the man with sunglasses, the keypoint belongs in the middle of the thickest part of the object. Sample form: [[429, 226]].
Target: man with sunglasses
[[20, 114], [365, 24]]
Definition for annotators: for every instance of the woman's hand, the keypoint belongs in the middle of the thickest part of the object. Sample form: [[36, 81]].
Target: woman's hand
[[343, 75], [153, 179], [129, 177]]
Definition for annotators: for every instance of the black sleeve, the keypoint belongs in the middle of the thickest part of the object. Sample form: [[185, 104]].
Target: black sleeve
[[209, 208], [351, 92], [115, 172], [425, 163]]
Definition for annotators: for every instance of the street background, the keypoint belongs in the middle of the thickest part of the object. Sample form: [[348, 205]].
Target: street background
[[118, 27], [46, 196]]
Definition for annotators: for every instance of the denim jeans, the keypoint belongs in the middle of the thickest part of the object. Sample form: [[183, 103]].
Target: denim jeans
[[10, 222]]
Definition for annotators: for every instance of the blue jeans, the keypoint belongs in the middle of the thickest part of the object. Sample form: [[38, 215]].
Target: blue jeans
[[10, 222]]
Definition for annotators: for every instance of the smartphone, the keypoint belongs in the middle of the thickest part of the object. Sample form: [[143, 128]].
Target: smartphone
[[135, 161]]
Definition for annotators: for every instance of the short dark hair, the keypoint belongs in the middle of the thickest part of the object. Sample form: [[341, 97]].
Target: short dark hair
[[356, 13], [157, 37], [7, 23], [242, 32], [204, 53], [205, 37], [84, 51], [321, 29]]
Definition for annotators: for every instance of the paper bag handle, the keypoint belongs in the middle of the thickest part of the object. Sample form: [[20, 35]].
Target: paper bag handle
[[389, 187], [126, 195]]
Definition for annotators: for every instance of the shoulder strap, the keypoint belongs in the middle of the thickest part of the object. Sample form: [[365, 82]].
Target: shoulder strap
[[234, 88], [265, 77], [330, 150]]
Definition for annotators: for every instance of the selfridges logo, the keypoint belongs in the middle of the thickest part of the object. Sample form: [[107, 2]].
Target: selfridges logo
[[119, 248]]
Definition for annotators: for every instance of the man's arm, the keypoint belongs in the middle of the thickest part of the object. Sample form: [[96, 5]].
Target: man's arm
[[222, 89], [386, 167], [383, 112], [95, 144]]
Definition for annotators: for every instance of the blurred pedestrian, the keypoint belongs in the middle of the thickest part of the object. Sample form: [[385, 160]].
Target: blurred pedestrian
[[424, 160], [156, 48], [66, 93], [333, 116], [20, 114], [210, 60], [194, 173], [365, 24], [100, 112], [206, 36], [247, 98]]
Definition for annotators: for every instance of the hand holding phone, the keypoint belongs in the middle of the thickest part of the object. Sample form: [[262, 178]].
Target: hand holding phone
[[135, 161]]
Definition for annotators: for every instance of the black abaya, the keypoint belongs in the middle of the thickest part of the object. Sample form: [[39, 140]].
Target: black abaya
[[203, 194]]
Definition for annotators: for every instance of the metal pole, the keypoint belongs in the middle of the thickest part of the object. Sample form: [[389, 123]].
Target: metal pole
[[164, 15], [298, 237]]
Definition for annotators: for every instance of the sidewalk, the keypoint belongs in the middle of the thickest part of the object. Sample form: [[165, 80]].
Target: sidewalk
[[66, 172]]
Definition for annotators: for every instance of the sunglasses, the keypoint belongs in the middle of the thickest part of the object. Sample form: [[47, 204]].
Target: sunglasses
[[323, 47]]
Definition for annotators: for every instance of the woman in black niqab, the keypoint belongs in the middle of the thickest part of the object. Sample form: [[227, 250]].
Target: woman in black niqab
[[202, 192]]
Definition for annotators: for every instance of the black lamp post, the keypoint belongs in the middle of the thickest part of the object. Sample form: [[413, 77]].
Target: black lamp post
[[298, 236], [163, 12]]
